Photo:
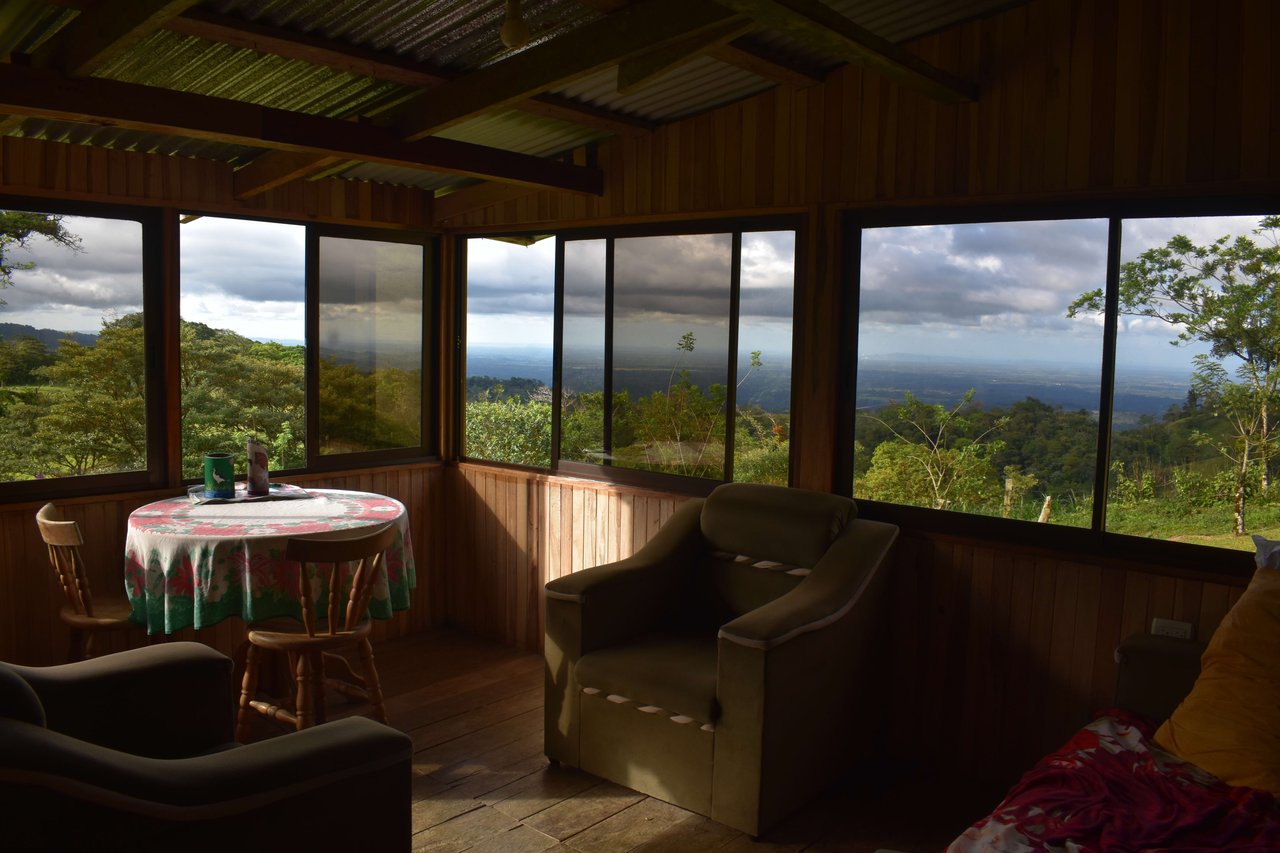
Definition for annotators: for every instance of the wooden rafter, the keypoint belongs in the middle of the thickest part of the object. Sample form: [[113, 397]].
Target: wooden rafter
[[819, 25], [45, 94], [101, 32], [275, 168], [635, 73], [635, 30], [743, 56]]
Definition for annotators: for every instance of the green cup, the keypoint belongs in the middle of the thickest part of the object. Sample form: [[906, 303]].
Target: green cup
[[219, 475]]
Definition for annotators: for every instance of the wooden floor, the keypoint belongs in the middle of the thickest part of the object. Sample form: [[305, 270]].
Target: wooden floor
[[481, 782]]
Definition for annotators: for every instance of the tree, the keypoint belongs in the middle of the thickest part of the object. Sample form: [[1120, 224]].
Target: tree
[[1223, 295], [17, 227], [934, 459]]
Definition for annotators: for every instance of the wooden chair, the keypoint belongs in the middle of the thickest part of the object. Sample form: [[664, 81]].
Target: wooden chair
[[84, 615], [313, 650]]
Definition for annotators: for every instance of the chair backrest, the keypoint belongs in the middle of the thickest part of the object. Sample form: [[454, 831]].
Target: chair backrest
[[364, 550], [765, 540], [64, 540]]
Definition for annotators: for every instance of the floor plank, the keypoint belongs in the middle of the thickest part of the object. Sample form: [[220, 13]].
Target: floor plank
[[483, 785]]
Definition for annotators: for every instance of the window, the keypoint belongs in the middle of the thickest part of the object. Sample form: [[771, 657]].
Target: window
[[74, 387], [243, 339], [975, 392], [679, 308], [510, 305], [673, 359], [984, 381], [1198, 355], [370, 345]]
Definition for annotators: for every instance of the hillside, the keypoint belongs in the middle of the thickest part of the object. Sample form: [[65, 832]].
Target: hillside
[[48, 337]]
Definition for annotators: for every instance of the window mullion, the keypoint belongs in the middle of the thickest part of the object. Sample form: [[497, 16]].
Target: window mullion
[[1106, 401]]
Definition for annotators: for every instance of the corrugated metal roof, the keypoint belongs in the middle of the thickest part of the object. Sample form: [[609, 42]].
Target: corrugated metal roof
[[452, 36], [691, 88]]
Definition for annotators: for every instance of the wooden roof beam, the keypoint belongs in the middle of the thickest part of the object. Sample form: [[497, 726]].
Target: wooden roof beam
[[633, 31], [45, 94], [275, 168], [743, 56], [98, 34], [820, 26], [635, 73]]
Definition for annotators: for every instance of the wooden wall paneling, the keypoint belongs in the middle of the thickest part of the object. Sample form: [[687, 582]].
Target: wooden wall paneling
[[1228, 85], [1174, 83], [1080, 118]]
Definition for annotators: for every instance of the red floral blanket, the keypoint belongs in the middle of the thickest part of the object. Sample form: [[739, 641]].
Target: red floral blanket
[[1110, 788]]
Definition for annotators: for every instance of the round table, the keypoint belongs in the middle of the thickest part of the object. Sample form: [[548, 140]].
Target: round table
[[190, 564]]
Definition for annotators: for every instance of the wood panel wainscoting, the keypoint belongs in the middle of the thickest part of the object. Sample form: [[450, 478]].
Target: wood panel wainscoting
[[998, 652], [31, 632]]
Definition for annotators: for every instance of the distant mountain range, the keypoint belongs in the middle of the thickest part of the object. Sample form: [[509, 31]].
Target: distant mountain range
[[49, 337]]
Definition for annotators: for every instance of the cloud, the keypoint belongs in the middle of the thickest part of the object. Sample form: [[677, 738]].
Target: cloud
[[1019, 275], [105, 276], [250, 260]]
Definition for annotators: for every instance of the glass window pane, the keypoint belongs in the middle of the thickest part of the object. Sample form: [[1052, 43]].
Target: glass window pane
[[370, 345], [243, 340], [670, 352], [1193, 445], [975, 391], [761, 442], [72, 352], [582, 424], [510, 306]]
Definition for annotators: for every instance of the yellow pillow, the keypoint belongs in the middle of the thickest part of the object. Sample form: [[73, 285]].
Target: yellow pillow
[[1230, 722]]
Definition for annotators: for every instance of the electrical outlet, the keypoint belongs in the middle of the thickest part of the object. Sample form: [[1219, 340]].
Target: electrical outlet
[[1171, 628]]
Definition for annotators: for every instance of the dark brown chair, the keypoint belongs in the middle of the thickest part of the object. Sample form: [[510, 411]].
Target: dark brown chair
[[83, 614], [313, 650], [734, 665], [132, 753]]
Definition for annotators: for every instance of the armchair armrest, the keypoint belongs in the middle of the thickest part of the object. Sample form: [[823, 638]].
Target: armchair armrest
[[120, 701], [827, 594], [618, 600]]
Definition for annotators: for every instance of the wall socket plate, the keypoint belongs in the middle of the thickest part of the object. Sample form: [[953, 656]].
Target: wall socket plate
[[1171, 628]]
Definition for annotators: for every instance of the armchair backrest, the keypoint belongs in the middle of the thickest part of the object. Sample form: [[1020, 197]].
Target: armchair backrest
[[17, 700], [766, 539]]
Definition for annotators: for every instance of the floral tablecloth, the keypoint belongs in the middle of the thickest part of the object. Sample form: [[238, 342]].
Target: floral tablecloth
[[193, 565]]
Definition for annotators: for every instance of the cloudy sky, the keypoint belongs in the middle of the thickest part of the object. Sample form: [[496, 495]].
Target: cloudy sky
[[1001, 290], [986, 290], [663, 287]]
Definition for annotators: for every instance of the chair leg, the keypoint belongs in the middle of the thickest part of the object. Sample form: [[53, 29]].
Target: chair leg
[[372, 685], [304, 706], [247, 691]]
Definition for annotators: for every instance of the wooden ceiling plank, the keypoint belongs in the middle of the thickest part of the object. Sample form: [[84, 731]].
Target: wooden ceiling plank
[[99, 34], [635, 73], [45, 94], [603, 43], [820, 26]]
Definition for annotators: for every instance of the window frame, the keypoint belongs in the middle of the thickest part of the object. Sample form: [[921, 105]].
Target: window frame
[[155, 307], [428, 447], [656, 480], [1095, 541], [161, 253]]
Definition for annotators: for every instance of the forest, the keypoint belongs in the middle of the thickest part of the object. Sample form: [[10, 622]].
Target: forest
[[79, 409]]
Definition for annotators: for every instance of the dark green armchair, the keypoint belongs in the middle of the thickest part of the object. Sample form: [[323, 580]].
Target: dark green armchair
[[134, 752], [730, 666]]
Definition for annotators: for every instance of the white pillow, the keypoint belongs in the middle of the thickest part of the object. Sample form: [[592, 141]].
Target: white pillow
[[1267, 554]]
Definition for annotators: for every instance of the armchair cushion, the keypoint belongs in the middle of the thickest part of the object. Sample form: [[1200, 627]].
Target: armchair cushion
[[671, 672]]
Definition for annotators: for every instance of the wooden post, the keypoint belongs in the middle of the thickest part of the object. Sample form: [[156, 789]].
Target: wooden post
[[1008, 497], [1044, 510]]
